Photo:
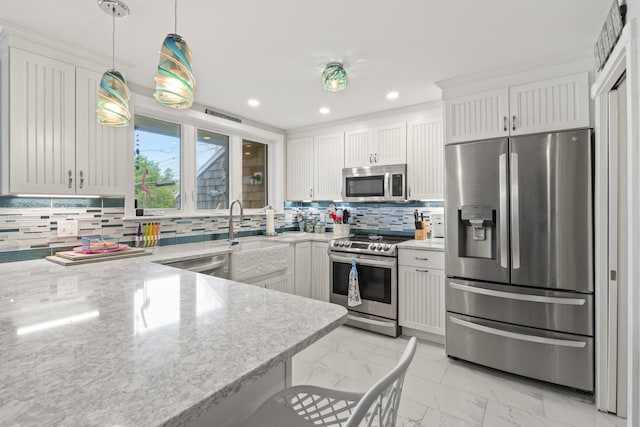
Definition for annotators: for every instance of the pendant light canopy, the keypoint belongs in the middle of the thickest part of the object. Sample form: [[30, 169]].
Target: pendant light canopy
[[175, 84], [334, 77], [112, 107]]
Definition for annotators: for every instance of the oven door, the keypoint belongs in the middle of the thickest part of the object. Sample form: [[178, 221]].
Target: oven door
[[378, 280]]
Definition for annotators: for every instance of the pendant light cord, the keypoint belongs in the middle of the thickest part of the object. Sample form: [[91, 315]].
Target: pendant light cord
[[175, 17], [113, 39]]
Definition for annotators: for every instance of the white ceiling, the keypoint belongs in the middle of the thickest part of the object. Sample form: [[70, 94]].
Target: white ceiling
[[275, 50]]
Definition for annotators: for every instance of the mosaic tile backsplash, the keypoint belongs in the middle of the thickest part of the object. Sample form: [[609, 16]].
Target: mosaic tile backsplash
[[28, 226]]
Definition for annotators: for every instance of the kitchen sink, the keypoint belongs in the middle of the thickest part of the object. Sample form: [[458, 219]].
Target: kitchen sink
[[256, 259]]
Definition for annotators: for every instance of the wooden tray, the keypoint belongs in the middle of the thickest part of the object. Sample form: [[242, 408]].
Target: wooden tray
[[73, 255], [89, 258]]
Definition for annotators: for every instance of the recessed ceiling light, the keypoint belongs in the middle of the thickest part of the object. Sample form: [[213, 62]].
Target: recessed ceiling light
[[253, 102], [324, 110], [392, 95]]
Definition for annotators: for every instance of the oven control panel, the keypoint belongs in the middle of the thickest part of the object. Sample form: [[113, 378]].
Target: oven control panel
[[343, 244]]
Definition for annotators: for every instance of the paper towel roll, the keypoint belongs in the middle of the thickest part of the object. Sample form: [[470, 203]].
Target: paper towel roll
[[271, 222]]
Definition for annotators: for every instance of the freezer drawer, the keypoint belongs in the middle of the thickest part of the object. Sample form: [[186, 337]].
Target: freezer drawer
[[548, 356], [557, 311]]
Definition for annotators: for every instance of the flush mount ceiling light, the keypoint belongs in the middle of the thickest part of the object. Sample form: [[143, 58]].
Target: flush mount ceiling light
[[112, 106], [334, 77], [175, 84]]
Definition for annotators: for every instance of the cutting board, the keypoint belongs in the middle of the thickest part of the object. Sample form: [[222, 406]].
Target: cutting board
[[72, 255], [89, 258]]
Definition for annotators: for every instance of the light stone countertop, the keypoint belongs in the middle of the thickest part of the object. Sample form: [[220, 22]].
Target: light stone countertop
[[435, 244], [131, 342]]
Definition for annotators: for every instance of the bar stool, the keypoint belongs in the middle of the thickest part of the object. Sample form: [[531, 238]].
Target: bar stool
[[306, 405]]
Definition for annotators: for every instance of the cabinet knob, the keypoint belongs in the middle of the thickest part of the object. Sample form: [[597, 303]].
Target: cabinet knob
[[311, 193], [70, 183], [409, 190], [375, 157], [505, 123], [370, 158], [81, 179], [513, 123]]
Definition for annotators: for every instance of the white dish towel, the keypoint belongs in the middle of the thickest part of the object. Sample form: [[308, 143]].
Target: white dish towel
[[353, 299]]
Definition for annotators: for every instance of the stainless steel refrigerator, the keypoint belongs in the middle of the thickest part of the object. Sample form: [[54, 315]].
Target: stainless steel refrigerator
[[519, 258]]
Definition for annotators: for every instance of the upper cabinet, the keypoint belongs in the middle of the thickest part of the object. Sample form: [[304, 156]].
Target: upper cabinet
[[380, 145], [425, 160], [314, 167], [543, 106], [54, 144]]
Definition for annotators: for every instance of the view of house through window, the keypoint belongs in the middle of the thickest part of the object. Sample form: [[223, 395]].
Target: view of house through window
[[212, 170], [157, 163], [254, 174]]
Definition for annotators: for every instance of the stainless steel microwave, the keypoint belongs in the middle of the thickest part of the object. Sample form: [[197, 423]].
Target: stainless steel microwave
[[374, 183]]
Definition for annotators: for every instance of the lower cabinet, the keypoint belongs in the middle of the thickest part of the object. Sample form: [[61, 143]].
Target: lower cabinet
[[280, 283], [312, 270], [421, 293]]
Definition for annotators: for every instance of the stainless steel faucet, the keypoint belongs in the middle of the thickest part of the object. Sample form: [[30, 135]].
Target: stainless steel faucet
[[231, 233]]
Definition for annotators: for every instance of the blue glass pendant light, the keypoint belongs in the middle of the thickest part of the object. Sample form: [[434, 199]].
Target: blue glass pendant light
[[112, 106], [334, 77], [175, 84]]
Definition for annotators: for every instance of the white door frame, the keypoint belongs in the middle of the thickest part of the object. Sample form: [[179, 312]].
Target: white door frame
[[623, 58]]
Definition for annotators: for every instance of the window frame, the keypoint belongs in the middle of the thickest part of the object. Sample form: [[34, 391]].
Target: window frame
[[190, 121]]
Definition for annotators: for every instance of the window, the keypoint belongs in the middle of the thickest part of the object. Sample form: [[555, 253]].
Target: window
[[157, 163], [212, 170], [254, 174]]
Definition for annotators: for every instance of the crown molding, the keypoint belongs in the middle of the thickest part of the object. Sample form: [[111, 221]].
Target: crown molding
[[516, 68]]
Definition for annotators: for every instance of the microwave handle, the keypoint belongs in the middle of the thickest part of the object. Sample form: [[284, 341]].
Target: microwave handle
[[387, 184]]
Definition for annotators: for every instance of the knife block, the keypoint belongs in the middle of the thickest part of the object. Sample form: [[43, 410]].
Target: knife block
[[421, 234]]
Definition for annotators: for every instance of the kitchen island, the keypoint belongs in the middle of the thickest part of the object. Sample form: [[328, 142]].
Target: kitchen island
[[134, 343]]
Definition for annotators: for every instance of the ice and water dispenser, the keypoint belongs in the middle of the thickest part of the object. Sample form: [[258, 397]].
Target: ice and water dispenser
[[477, 231]]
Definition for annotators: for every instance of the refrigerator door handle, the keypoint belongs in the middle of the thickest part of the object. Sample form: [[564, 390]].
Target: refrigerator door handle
[[515, 214], [517, 336], [515, 296], [503, 210]]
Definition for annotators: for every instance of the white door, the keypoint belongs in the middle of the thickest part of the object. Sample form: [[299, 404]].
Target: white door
[[328, 161], [421, 299], [320, 271], [358, 147], [425, 161], [550, 105], [101, 151], [478, 116], [303, 269], [42, 124], [390, 144], [300, 169]]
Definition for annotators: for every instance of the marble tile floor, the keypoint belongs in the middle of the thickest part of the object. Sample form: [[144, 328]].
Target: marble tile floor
[[439, 391]]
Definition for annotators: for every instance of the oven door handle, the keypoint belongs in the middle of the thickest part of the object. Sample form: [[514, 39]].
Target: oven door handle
[[364, 261]]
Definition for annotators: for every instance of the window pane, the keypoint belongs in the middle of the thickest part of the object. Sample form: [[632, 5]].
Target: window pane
[[212, 170], [254, 174], [157, 163]]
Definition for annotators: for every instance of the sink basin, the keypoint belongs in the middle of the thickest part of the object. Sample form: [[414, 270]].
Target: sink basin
[[255, 259]]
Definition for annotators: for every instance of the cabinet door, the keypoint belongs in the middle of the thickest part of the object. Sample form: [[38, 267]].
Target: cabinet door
[[300, 169], [320, 271], [358, 148], [101, 151], [550, 105], [421, 299], [425, 161], [280, 283], [41, 124], [390, 144], [303, 269], [479, 116], [328, 160]]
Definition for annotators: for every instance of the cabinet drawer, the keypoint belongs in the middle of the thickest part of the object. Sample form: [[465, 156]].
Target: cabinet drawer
[[421, 258]]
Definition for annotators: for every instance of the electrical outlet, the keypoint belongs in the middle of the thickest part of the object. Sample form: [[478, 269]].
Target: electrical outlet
[[68, 228]]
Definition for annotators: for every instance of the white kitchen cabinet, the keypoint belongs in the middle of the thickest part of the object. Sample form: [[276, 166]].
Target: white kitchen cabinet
[[280, 283], [421, 290], [543, 106], [101, 160], [425, 160], [550, 105], [380, 145], [303, 269], [300, 169], [54, 144], [328, 161], [320, 271], [314, 167]]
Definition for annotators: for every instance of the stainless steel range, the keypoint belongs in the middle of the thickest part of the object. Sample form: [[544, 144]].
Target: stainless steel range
[[376, 260]]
